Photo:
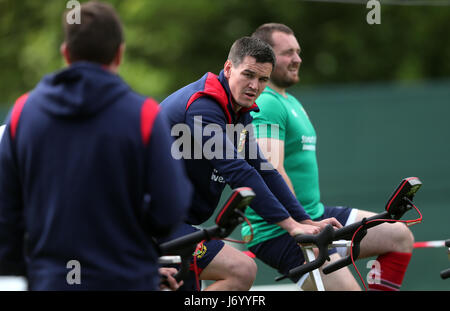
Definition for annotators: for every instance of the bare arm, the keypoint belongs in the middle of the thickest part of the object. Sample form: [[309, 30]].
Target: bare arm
[[273, 150]]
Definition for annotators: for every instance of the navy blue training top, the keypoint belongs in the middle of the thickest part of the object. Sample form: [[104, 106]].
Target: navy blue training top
[[87, 175]]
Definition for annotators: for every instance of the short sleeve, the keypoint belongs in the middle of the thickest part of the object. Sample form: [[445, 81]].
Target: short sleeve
[[270, 121]]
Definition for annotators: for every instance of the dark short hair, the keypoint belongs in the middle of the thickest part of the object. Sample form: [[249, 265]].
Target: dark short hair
[[98, 35], [265, 31], [254, 47]]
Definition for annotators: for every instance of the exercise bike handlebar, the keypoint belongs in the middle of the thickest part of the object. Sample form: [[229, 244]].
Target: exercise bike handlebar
[[326, 237], [185, 247], [348, 233], [399, 202], [176, 245], [230, 216], [321, 240], [445, 274]]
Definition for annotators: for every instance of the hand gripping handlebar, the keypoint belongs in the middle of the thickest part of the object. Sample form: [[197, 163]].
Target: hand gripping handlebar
[[321, 240]]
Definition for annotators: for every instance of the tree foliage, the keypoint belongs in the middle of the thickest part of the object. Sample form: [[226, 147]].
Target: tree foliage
[[172, 42]]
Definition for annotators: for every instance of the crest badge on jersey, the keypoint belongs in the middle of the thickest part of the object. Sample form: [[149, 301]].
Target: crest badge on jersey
[[242, 138], [200, 251]]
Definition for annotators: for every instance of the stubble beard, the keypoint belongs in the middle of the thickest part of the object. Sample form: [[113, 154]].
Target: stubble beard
[[284, 81]]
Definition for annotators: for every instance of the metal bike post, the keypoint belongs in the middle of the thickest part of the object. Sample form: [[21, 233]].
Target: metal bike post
[[315, 274], [309, 256]]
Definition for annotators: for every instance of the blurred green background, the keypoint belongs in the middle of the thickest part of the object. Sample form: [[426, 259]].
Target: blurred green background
[[170, 43], [378, 95]]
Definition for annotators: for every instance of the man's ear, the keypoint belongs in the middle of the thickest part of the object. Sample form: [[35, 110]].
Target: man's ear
[[227, 68], [65, 53], [119, 55]]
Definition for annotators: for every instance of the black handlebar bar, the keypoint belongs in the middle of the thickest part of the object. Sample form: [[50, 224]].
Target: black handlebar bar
[[321, 240], [327, 236], [185, 247], [176, 245], [446, 273], [347, 232], [399, 202], [230, 216]]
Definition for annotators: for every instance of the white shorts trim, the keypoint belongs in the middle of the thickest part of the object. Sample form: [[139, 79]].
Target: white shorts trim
[[343, 251]]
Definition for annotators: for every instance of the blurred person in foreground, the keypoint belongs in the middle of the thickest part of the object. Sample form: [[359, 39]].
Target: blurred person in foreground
[[292, 151], [85, 165], [211, 121]]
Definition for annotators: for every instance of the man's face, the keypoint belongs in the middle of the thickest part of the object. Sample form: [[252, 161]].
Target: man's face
[[287, 52], [247, 80]]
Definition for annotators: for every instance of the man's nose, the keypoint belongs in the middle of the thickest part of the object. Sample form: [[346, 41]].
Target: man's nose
[[253, 84], [297, 58]]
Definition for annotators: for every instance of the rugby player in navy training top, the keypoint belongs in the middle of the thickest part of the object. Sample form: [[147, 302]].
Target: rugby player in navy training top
[[87, 179], [200, 114]]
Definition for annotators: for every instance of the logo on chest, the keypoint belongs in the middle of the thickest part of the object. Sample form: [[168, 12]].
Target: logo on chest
[[309, 143]]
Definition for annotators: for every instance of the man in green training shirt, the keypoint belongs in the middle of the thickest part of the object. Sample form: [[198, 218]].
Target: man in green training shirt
[[287, 137]]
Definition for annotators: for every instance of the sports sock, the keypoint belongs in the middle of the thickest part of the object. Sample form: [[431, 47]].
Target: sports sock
[[393, 266]]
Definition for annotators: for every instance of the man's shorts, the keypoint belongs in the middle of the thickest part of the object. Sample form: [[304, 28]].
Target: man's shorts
[[204, 254], [283, 253]]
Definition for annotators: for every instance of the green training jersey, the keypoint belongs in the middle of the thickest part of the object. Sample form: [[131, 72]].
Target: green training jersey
[[300, 162]]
